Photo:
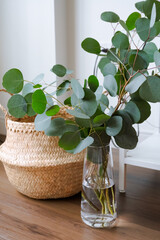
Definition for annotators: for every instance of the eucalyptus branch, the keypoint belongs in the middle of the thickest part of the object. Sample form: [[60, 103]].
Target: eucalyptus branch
[[3, 90]]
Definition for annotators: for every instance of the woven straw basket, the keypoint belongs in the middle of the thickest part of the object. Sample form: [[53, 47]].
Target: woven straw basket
[[34, 163]]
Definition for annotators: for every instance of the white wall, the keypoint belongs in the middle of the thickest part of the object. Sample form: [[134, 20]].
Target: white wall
[[27, 39]]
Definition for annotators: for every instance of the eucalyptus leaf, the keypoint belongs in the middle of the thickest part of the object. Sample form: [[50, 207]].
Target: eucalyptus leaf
[[93, 83], [83, 145], [114, 125], [59, 70], [104, 102], [62, 88], [98, 93], [39, 101], [110, 85], [109, 69], [68, 101], [110, 17], [28, 88], [132, 19], [88, 104], [56, 127], [100, 119], [127, 138], [150, 89], [157, 59], [150, 49], [103, 62], [135, 83], [13, 81], [153, 16], [91, 45], [120, 40], [134, 112], [123, 24], [28, 99], [17, 106], [78, 114], [144, 31], [52, 110], [77, 88], [42, 122], [145, 110], [37, 86], [69, 140], [137, 62]]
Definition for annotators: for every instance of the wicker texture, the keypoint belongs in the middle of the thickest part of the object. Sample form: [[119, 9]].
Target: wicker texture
[[36, 165]]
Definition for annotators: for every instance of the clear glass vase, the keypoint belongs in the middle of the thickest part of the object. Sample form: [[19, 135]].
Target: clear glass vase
[[98, 205]]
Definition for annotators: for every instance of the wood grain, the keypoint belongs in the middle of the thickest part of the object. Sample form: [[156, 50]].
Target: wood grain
[[22, 218]]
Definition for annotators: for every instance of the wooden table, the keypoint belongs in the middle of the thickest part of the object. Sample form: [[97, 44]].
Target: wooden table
[[22, 218]]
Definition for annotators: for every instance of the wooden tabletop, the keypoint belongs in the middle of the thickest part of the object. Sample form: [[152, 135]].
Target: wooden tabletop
[[22, 218]]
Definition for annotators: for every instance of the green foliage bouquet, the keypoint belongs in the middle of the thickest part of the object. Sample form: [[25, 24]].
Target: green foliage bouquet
[[127, 77]]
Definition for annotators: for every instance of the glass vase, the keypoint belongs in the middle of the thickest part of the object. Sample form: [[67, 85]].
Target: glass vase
[[98, 205]]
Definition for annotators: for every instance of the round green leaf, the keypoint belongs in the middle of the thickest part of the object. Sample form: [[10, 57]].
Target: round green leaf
[[135, 83], [17, 106], [140, 6], [77, 88], [39, 101], [53, 110], [37, 86], [132, 19], [30, 111], [100, 119], [137, 62], [150, 89], [146, 8], [59, 70], [145, 110], [150, 49], [56, 127], [109, 69], [78, 114], [88, 104], [68, 101], [120, 40], [110, 17], [98, 93], [62, 88], [91, 45], [157, 59], [114, 125], [103, 62], [13, 81], [128, 139], [69, 140], [123, 24], [104, 102], [42, 122], [83, 144], [110, 85], [132, 109], [93, 83], [143, 29]]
